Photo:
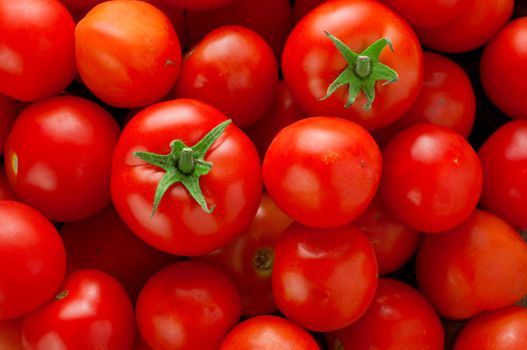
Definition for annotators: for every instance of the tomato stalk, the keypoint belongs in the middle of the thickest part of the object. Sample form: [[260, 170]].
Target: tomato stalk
[[263, 261]]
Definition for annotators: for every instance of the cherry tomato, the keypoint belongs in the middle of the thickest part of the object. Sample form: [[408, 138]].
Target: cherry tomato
[[432, 178], [187, 305], [6, 193], [431, 13], [322, 171], [8, 112], [479, 265], [58, 157], [32, 259], [11, 334], [323, 279], [92, 311]]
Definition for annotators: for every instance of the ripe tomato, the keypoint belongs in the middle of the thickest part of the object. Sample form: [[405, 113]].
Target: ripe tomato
[[179, 224], [479, 265], [32, 259], [9, 112], [323, 279], [399, 317], [431, 179], [430, 13], [187, 305], [214, 65], [92, 311], [323, 82], [6, 193], [268, 333], [37, 53], [58, 157], [322, 171], [503, 67], [11, 334], [107, 41]]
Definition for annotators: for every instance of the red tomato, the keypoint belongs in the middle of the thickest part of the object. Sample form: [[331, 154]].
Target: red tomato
[[323, 279], [32, 259], [302, 8], [6, 193], [431, 179], [503, 67], [180, 225], [472, 28], [479, 265], [504, 329], [399, 317], [504, 161], [112, 68], [58, 157], [215, 64], [268, 333], [11, 334], [92, 311], [323, 82], [430, 13], [322, 171], [8, 113], [187, 305], [37, 55]]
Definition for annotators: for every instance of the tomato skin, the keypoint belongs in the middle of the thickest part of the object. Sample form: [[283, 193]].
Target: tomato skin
[[503, 65], [11, 334], [96, 313], [432, 178], [428, 13], [75, 184], [503, 329], [195, 300], [111, 68], [9, 112], [477, 266], [323, 279], [27, 240], [35, 34], [311, 62], [322, 171], [214, 65], [399, 317], [268, 333], [180, 226]]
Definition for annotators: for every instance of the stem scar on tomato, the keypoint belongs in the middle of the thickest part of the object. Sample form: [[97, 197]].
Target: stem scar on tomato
[[263, 261], [184, 164], [362, 72], [62, 295]]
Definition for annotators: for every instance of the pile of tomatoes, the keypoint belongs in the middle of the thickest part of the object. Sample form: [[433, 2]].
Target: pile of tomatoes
[[263, 175]]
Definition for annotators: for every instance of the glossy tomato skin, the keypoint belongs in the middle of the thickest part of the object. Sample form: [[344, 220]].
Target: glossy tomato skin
[[9, 112], [477, 266], [11, 334], [324, 279], [311, 62], [111, 68], [322, 171], [399, 317], [503, 66], [67, 176], [428, 13], [432, 178], [92, 311], [180, 226], [32, 258], [215, 64], [38, 52], [187, 305], [268, 333], [503, 329]]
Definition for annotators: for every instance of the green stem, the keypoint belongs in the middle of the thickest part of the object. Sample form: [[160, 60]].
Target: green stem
[[186, 161], [363, 66]]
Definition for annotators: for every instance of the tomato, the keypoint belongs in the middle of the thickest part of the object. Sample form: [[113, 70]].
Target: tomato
[[479, 265], [111, 68], [428, 13], [323, 82], [268, 333], [504, 329], [11, 334], [6, 193], [214, 65], [32, 259], [322, 171], [399, 317], [302, 8], [9, 112], [503, 65], [470, 29], [432, 178], [180, 224], [187, 305], [323, 279], [37, 56], [58, 157], [92, 311]]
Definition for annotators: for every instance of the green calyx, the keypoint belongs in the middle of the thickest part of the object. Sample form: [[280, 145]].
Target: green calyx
[[184, 164], [362, 72]]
